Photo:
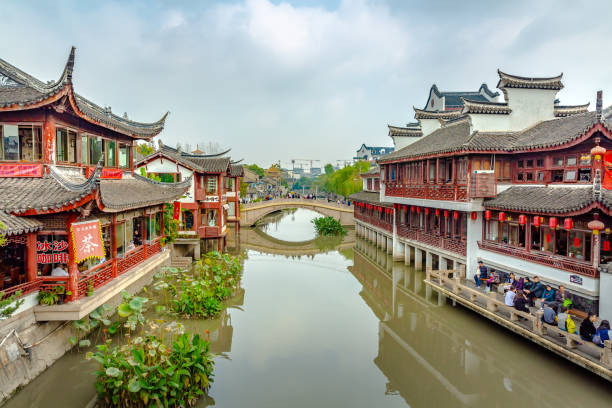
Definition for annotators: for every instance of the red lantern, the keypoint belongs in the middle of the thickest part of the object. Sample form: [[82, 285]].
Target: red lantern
[[548, 237], [426, 211], [577, 242], [606, 245], [405, 207], [418, 210], [412, 208], [474, 215], [522, 220], [437, 212], [445, 213], [487, 215], [502, 217], [568, 223], [537, 221], [456, 215], [552, 222]]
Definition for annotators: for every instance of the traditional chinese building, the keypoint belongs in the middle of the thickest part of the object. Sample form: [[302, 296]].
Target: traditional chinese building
[[520, 184], [213, 195], [69, 199], [371, 153]]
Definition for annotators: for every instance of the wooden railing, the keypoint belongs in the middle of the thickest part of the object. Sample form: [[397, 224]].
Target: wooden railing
[[25, 288], [94, 278], [209, 232], [452, 192], [554, 261], [374, 220], [453, 245], [132, 258]]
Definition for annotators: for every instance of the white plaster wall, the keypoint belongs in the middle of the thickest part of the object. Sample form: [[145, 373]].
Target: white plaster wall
[[556, 277], [402, 141], [429, 125], [365, 183], [474, 234], [530, 106], [167, 166], [489, 122], [605, 296]]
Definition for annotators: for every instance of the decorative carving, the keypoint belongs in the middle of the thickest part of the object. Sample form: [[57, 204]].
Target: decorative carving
[[6, 81]]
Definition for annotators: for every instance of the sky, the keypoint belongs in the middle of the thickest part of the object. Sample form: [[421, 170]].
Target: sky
[[281, 80]]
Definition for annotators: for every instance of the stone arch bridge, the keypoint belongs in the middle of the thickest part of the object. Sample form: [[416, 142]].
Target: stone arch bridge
[[251, 213]]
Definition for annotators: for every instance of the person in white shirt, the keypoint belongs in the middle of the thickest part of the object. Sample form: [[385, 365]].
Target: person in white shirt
[[510, 294], [59, 270]]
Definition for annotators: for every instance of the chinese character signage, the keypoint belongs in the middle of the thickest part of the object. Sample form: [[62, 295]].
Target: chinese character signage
[[21, 170], [58, 253], [177, 210], [576, 279], [87, 240]]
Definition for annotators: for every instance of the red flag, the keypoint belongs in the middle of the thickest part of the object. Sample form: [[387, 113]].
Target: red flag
[[87, 240], [177, 210]]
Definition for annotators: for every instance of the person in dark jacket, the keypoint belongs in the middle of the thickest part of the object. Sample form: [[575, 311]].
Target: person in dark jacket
[[548, 296], [534, 291], [603, 332], [482, 273], [519, 284], [587, 328], [520, 301]]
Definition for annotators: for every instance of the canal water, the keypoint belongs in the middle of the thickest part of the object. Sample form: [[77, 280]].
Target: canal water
[[341, 325]]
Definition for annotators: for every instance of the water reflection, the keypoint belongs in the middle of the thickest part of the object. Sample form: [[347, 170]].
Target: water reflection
[[290, 225], [435, 355]]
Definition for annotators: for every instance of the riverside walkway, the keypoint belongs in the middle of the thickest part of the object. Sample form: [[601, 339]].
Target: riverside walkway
[[453, 283], [252, 212]]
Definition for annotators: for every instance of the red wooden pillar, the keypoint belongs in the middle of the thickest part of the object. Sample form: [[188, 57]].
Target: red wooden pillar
[[144, 233], [132, 158], [73, 271], [31, 272], [162, 231], [113, 253], [437, 170]]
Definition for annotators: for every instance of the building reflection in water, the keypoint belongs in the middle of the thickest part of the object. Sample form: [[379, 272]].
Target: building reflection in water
[[435, 355]]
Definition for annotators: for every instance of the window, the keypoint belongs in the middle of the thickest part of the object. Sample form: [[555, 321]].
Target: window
[[492, 230], [576, 244], [558, 162], [152, 228], [570, 175], [10, 142], [96, 149], [529, 176], [571, 160], [187, 217], [584, 175], [30, 143], [120, 240], [585, 159], [84, 149], [231, 212], [561, 242], [520, 164], [529, 163], [546, 239], [369, 184], [540, 176], [520, 176], [503, 170], [211, 185], [231, 184], [158, 224], [536, 242], [432, 172], [110, 158], [211, 217], [540, 163], [557, 176], [65, 145], [124, 156]]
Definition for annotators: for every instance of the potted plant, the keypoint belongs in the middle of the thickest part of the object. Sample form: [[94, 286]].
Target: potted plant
[[48, 297]]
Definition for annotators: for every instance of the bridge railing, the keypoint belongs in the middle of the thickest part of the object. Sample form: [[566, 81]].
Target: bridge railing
[[283, 201]]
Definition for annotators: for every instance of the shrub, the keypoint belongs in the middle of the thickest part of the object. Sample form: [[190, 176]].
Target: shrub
[[328, 226]]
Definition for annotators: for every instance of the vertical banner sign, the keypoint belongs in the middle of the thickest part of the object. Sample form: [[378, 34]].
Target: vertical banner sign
[[87, 240], [607, 176], [177, 210]]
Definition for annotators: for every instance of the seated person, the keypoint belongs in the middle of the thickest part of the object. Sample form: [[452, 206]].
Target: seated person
[[59, 270], [602, 334], [549, 316], [520, 301], [535, 290], [561, 318], [509, 297], [137, 238], [587, 328], [548, 296], [570, 325], [562, 297]]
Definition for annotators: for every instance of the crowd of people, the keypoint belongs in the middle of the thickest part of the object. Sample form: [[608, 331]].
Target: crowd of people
[[522, 293]]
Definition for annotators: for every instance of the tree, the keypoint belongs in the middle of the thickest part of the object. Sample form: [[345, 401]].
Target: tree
[[329, 169], [257, 170], [145, 149], [2, 237], [345, 181]]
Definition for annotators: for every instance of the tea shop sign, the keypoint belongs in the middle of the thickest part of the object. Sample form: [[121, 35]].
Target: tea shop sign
[[58, 253]]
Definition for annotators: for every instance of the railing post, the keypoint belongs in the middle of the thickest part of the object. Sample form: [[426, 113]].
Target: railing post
[[428, 273], [491, 304], [538, 325], [606, 356]]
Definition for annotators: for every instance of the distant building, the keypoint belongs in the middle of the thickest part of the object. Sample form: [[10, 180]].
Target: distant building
[[371, 153], [315, 171]]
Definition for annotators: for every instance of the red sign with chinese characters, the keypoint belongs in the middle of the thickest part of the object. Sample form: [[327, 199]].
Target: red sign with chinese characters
[[115, 174], [177, 210], [607, 176], [55, 246], [21, 170], [87, 240]]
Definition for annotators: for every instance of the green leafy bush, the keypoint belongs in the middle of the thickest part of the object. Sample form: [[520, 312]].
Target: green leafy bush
[[10, 304], [328, 226]]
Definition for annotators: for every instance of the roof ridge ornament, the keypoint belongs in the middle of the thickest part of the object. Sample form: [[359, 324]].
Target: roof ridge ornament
[[599, 105]]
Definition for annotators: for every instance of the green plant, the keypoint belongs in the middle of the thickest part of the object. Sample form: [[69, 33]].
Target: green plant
[[90, 288], [10, 304], [328, 226], [3, 240], [48, 297]]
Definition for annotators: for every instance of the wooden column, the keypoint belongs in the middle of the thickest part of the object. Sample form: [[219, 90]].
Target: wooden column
[[132, 158], [162, 230], [73, 271], [113, 253], [31, 272], [437, 170], [144, 233]]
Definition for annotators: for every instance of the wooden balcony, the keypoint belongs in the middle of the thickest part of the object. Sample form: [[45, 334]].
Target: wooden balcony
[[200, 195], [374, 220], [449, 244], [554, 261], [448, 192], [209, 232]]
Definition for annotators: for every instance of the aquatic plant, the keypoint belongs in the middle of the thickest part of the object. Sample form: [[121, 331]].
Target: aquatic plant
[[328, 226], [199, 293], [10, 304]]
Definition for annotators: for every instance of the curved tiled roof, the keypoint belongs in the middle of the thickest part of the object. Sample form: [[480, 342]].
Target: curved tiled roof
[[19, 90], [370, 198], [555, 200], [374, 170], [567, 110], [456, 137], [514, 81], [136, 192], [18, 225], [236, 170], [405, 131], [425, 114], [471, 106]]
